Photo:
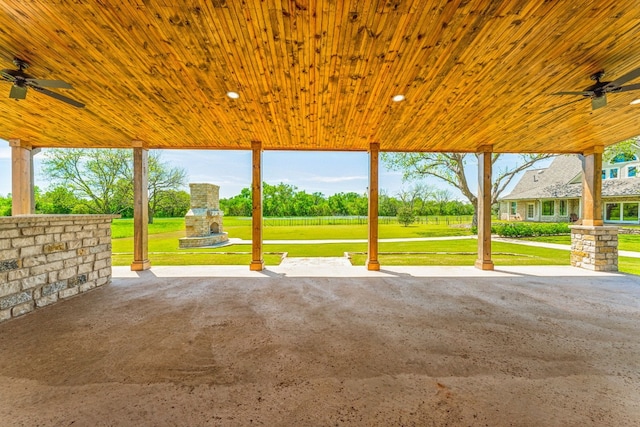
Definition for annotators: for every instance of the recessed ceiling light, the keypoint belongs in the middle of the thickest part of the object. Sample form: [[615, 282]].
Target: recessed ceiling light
[[635, 101], [398, 98], [233, 95]]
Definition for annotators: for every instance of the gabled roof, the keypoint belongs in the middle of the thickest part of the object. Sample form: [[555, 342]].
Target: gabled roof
[[559, 181]]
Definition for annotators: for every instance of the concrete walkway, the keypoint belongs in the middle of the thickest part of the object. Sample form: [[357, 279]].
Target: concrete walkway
[[630, 254]]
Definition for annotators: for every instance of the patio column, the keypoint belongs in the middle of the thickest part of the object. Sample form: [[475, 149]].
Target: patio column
[[257, 260], [594, 246], [372, 253], [22, 197], [484, 208], [140, 208], [592, 187]]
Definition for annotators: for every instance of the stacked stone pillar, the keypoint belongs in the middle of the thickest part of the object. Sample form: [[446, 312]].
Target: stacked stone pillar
[[594, 247]]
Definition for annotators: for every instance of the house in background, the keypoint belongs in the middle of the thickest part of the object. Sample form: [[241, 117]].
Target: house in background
[[553, 194]]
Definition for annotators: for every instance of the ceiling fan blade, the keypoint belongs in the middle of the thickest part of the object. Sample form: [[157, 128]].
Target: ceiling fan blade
[[6, 75], [583, 93], [58, 96], [625, 78], [630, 87], [598, 102], [18, 92], [57, 84], [563, 105]]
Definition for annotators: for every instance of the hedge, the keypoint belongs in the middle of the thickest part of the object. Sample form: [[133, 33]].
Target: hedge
[[528, 229]]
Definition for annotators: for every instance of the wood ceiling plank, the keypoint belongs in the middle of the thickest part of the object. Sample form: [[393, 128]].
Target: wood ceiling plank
[[319, 74]]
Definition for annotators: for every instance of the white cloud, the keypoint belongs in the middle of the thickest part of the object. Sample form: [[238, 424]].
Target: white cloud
[[5, 152]]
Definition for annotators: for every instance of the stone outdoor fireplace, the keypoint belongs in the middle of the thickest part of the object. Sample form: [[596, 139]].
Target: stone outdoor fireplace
[[204, 220]]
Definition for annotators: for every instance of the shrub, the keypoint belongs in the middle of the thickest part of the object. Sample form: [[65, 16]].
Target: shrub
[[406, 216], [529, 229]]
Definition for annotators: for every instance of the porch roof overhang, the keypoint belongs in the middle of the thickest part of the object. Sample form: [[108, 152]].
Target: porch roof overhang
[[320, 75]]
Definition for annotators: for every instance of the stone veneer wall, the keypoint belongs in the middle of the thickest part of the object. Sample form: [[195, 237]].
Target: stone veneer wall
[[47, 258], [594, 247]]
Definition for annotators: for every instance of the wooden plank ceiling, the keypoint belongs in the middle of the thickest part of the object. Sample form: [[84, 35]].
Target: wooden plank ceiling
[[320, 75]]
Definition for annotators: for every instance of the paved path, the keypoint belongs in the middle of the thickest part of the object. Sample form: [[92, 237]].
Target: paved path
[[630, 254], [317, 242]]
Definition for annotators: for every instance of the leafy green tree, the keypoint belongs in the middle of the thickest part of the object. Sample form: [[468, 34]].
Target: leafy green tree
[[387, 205], [172, 203], [406, 216], [103, 178], [162, 178], [5, 205], [624, 151], [59, 200], [451, 168], [239, 205]]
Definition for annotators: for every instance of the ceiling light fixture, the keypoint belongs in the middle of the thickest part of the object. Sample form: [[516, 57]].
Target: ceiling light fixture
[[398, 98], [635, 102], [233, 95]]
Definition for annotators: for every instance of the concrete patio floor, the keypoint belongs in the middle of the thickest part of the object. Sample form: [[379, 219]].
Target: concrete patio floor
[[327, 345]]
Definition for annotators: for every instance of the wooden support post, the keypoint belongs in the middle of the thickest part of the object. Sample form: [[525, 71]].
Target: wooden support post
[[257, 260], [372, 257], [140, 208], [484, 261], [22, 202], [592, 187]]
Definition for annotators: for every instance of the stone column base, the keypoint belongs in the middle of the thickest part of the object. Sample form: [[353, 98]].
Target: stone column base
[[594, 247]]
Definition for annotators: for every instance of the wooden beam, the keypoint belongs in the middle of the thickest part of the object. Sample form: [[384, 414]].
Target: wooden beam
[[257, 260], [592, 187], [372, 258], [140, 209], [22, 202], [484, 261]]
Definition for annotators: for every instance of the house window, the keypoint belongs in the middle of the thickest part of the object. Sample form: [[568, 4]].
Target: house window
[[630, 212], [604, 174], [548, 207], [530, 211], [514, 209], [563, 207], [612, 212], [632, 171], [613, 173]]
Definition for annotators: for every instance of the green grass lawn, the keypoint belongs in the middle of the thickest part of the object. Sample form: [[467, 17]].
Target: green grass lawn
[[165, 232], [626, 242]]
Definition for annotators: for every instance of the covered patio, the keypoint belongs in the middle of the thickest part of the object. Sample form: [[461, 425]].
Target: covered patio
[[423, 346], [267, 345]]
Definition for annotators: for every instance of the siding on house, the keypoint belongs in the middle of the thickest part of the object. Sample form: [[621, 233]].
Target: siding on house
[[562, 181]]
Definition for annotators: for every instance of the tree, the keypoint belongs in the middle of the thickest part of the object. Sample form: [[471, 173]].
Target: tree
[[406, 216], [59, 200], [450, 168], [623, 151], [92, 175], [103, 178], [162, 178], [5, 205], [172, 203]]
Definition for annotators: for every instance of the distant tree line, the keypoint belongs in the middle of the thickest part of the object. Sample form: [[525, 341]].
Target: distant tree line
[[284, 200]]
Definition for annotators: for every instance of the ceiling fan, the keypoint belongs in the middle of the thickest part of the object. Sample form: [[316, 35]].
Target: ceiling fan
[[598, 91], [22, 81]]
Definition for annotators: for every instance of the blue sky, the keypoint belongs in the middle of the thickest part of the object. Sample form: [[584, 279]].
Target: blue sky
[[325, 172]]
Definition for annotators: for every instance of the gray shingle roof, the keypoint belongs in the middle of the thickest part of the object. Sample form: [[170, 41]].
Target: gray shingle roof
[[555, 182]]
